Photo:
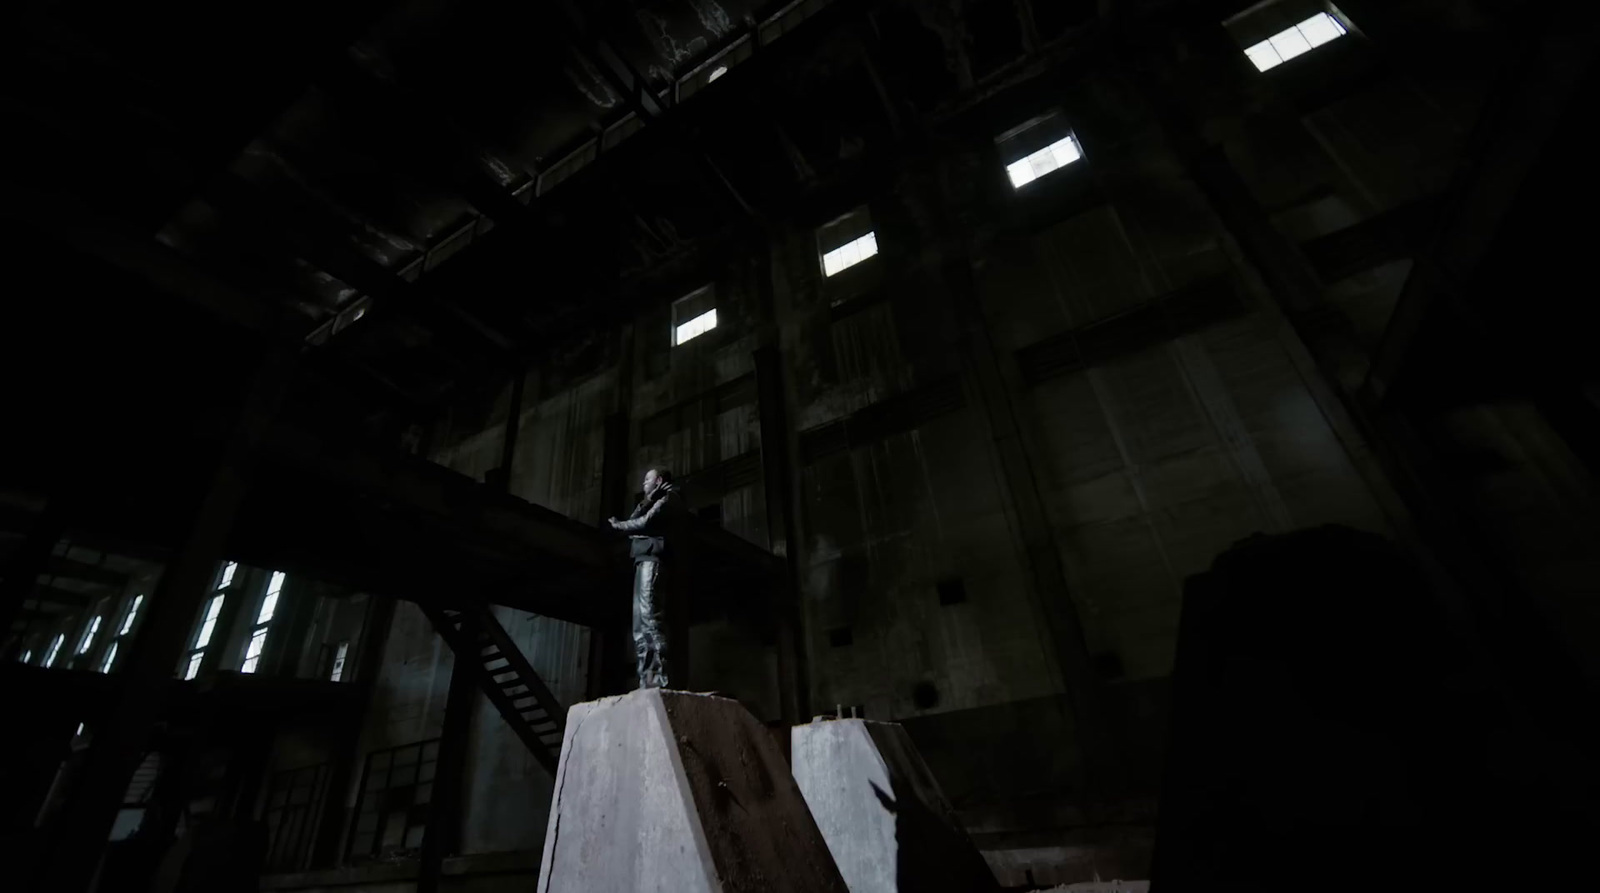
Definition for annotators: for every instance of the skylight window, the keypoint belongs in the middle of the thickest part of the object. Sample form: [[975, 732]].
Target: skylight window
[[849, 254], [700, 325], [1295, 41], [1051, 158]]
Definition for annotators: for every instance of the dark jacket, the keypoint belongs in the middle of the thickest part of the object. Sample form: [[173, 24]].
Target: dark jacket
[[653, 521]]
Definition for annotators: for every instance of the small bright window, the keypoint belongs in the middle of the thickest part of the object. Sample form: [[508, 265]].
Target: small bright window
[[79, 733], [700, 325], [269, 605], [109, 659], [227, 574], [55, 648], [193, 669], [133, 612], [338, 661], [849, 254], [252, 652], [1051, 158], [1295, 41], [87, 641], [847, 241], [694, 314], [208, 625], [717, 72], [258, 635], [27, 656]]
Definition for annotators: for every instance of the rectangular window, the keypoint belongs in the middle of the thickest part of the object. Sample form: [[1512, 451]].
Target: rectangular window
[[88, 635], [53, 650], [209, 624], [27, 656], [849, 254], [1295, 41], [110, 658], [392, 803], [133, 612], [1051, 158], [294, 800], [700, 325], [1037, 148], [694, 315], [258, 635], [338, 661], [208, 621], [847, 241]]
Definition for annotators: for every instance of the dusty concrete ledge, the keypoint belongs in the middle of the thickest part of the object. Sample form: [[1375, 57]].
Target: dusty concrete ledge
[[667, 790], [887, 823]]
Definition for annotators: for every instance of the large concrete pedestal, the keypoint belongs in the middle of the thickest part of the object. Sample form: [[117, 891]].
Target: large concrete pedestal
[[887, 824], [680, 793]]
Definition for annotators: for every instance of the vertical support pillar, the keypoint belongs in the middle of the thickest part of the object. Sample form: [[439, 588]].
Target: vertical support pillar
[[778, 479], [608, 642], [500, 478], [1053, 602], [443, 834], [113, 756]]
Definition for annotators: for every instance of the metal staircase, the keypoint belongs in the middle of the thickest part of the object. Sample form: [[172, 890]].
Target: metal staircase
[[504, 674]]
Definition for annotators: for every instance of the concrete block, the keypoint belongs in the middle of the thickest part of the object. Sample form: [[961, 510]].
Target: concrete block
[[681, 793], [886, 822]]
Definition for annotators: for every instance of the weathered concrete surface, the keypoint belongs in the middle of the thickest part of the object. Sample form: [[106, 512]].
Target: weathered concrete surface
[[886, 822], [671, 791]]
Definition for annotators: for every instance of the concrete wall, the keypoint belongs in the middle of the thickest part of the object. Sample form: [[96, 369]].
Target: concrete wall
[[1149, 454]]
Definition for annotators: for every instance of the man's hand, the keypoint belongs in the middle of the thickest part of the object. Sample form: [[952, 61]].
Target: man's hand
[[612, 521]]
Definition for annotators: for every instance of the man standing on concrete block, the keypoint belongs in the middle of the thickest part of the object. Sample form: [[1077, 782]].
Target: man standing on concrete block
[[651, 526], [887, 824]]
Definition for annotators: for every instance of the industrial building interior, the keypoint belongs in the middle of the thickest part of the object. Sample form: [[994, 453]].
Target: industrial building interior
[[1177, 415]]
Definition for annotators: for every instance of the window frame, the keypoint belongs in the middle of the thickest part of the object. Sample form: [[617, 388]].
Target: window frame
[[256, 644], [692, 308], [194, 657], [386, 761], [852, 229], [1038, 138]]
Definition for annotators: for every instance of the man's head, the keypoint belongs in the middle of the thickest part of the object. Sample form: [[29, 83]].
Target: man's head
[[655, 479]]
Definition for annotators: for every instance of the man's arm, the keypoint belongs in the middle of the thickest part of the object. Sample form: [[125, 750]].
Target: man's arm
[[645, 522]]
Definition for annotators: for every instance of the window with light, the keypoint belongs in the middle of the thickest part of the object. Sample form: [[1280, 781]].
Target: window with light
[[694, 315], [208, 621], [847, 241], [1296, 40], [258, 633], [1038, 148]]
